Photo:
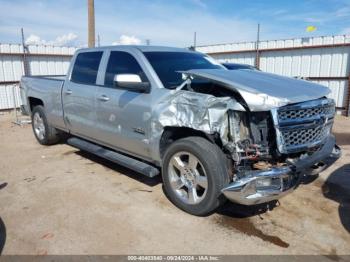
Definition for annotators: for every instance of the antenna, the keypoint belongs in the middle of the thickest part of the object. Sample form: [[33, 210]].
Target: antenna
[[195, 40]]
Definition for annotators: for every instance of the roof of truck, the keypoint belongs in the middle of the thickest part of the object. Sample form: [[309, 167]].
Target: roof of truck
[[142, 48]]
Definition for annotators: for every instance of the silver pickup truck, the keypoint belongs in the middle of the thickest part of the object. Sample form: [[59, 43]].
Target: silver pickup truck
[[213, 134]]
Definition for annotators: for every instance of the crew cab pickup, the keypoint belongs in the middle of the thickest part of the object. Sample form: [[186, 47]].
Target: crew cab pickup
[[213, 134]]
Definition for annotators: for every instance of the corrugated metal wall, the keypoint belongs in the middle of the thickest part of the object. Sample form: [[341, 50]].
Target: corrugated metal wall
[[324, 60], [42, 60]]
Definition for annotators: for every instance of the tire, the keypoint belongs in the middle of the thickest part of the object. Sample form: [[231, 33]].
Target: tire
[[43, 132], [184, 180]]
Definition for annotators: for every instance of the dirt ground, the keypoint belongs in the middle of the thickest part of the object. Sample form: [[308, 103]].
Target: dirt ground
[[59, 200]]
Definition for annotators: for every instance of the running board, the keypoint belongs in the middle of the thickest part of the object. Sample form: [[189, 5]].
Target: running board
[[128, 162]]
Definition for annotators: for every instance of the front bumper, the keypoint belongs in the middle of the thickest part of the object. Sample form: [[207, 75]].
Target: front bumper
[[263, 186]]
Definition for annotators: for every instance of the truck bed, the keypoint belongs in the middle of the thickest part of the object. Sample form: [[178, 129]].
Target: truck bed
[[48, 89], [48, 77]]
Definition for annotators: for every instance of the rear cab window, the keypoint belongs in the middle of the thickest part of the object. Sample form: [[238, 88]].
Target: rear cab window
[[85, 68]]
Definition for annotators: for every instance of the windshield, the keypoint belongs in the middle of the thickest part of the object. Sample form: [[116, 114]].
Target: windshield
[[166, 65]]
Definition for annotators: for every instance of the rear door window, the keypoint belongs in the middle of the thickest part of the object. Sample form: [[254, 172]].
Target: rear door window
[[86, 68]]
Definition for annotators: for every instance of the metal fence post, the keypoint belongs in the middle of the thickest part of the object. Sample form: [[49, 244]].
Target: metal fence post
[[347, 100], [14, 102], [17, 121]]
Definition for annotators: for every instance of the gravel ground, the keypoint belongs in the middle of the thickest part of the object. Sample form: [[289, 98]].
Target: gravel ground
[[59, 200]]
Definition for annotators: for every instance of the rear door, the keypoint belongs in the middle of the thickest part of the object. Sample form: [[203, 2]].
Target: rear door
[[79, 95], [123, 116]]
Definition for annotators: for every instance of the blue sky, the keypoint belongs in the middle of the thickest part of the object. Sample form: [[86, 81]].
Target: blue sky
[[166, 22]]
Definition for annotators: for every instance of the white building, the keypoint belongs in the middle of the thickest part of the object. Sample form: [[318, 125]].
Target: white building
[[324, 60]]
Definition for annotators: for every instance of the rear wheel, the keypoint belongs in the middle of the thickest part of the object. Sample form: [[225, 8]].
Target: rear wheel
[[43, 132], [194, 172]]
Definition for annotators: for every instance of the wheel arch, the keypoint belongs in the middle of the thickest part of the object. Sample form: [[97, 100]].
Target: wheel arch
[[33, 102], [173, 133]]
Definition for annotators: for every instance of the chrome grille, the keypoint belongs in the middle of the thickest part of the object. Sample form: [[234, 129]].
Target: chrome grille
[[305, 136], [306, 113], [304, 125]]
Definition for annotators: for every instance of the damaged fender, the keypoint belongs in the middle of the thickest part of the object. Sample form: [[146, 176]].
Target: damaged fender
[[198, 111]]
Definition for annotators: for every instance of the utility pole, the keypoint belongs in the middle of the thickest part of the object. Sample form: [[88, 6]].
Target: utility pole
[[91, 23], [257, 57], [98, 40], [148, 42], [25, 50]]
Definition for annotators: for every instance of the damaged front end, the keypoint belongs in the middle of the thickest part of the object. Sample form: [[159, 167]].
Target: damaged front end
[[270, 141], [274, 149]]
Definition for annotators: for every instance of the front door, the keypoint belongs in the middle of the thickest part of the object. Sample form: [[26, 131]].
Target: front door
[[123, 116]]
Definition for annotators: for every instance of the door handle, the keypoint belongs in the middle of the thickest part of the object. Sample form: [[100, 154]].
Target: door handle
[[69, 92], [103, 98]]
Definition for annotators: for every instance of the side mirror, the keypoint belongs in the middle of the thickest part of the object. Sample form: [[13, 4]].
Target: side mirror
[[131, 82]]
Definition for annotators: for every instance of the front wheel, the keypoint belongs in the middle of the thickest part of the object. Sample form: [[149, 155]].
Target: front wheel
[[44, 133], [194, 172]]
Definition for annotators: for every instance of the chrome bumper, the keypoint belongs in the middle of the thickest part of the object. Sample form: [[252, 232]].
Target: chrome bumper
[[263, 186]]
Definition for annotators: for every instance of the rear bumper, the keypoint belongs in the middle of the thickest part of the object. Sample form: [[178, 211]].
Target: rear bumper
[[263, 186]]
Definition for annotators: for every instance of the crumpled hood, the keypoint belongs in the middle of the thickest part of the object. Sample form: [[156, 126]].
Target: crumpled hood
[[263, 91]]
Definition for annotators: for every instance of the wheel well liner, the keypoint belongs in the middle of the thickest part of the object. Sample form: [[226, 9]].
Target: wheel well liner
[[171, 134], [33, 101]]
